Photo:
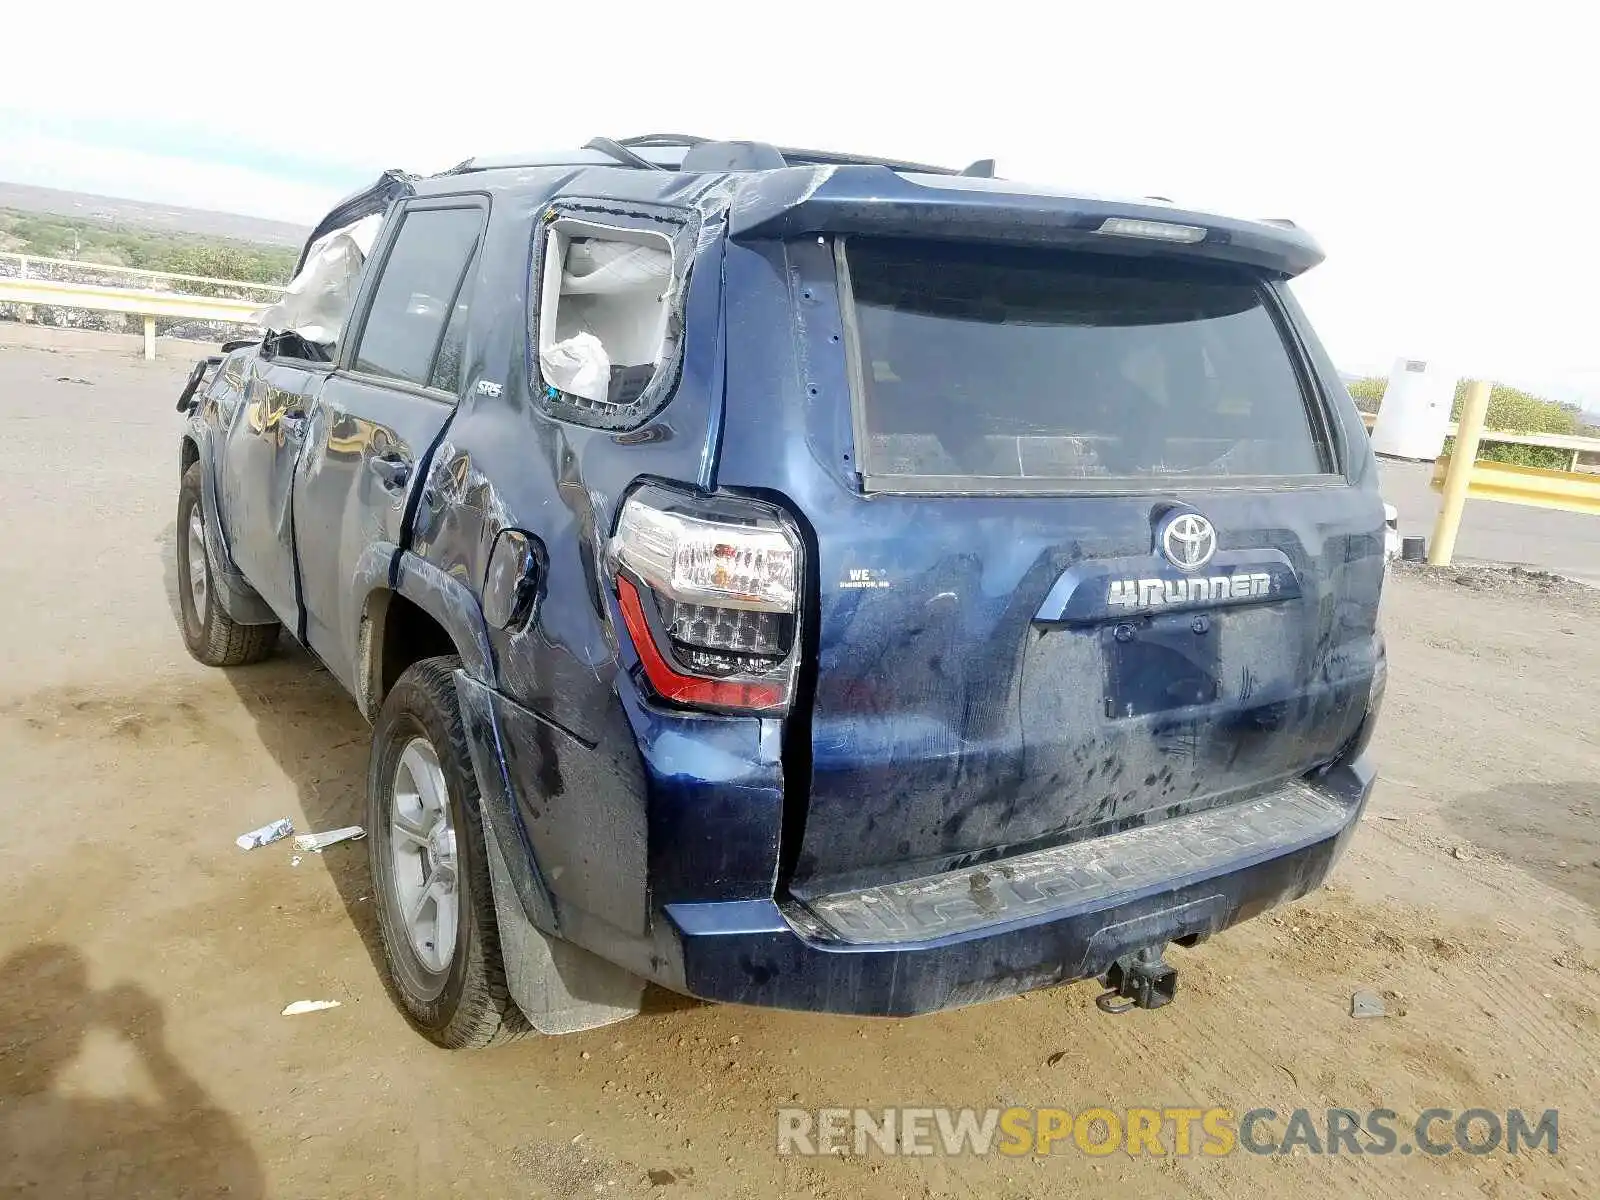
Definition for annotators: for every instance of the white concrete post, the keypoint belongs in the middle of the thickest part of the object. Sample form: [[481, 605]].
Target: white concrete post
[[149, 337]]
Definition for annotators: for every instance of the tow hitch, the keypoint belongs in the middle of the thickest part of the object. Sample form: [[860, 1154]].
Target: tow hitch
[[1138, 980]]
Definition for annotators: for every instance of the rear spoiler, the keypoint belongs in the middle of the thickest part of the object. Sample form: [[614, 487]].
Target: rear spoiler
[[876, 201]]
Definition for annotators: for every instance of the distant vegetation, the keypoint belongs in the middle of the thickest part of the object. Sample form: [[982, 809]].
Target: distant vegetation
[[1510, 411], [1368, 392], [119, 245]]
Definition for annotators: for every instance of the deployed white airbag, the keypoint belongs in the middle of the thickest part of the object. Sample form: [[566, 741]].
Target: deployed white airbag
[[603, 268], [321, 295], [578, 365]]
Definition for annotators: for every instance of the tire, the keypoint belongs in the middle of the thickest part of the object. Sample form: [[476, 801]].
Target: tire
[[457, 1000], [210, 634]]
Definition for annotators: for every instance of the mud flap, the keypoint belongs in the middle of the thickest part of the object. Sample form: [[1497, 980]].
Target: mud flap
[[559, 987]]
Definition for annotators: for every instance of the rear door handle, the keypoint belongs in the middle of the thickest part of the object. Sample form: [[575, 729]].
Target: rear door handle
[[392, 471]]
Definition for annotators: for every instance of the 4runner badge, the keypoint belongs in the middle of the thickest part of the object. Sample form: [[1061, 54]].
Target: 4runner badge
[[1199, 589]]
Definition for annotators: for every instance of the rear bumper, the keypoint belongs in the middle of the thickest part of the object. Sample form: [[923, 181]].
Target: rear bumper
[[663, 866], [996, 931]]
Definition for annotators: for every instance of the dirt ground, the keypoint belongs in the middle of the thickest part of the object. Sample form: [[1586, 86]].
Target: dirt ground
[[144, 960]]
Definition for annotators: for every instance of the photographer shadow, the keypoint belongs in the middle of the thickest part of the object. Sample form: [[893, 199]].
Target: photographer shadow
[[169, 1140]]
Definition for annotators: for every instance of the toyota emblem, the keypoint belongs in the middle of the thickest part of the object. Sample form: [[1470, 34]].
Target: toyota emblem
[[1189, 541]]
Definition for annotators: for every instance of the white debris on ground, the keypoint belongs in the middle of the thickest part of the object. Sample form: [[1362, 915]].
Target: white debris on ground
[[300, 1007], [1366, 1003], [316, 843], [266, 835]]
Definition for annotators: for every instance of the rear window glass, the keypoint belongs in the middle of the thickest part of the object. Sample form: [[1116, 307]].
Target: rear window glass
[[1036, 366]]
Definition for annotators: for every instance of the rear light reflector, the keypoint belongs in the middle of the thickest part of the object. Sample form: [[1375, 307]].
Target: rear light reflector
[[675, 685], [708, 591], [715, 636]]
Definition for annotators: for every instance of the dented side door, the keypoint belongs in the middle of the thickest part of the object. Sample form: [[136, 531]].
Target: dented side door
[[374, 428], [260, 447]]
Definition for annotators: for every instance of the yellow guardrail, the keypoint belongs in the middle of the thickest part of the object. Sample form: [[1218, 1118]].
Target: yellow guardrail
[[143, 302], [1461, 475], [1570, 490], [1573, 443], [29, 265]]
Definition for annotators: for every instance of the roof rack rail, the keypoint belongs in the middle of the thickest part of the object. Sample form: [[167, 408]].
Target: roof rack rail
[[797, 156], [711, 154]]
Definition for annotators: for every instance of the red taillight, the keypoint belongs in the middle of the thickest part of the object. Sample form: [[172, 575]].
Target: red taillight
[[688, 689], [708, 589]]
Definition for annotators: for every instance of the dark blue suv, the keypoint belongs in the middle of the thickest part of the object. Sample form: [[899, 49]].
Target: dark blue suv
[[800, 579]]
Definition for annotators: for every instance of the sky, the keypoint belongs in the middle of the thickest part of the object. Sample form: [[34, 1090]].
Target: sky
[[1444, 160]]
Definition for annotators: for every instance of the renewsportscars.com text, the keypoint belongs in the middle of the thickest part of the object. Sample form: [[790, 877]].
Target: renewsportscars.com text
[[1211, 1132]]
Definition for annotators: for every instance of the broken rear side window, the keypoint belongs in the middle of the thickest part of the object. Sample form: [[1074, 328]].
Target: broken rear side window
[[1019, 367], [608, 319]]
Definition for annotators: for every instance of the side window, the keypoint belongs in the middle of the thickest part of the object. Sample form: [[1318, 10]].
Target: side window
[[609, 319], [447, 364], [419, 302]]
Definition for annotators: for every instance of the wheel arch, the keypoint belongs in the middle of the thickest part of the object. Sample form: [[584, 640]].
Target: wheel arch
[[411, 610]]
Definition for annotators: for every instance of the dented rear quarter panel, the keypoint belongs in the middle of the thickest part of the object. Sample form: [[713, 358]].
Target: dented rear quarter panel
[[611, 800]]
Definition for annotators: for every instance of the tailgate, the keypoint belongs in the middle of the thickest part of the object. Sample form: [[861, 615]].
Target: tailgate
[[1101, 567]]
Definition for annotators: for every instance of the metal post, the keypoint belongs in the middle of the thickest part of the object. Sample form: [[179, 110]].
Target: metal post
[[1459, 473], [149, 337]]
